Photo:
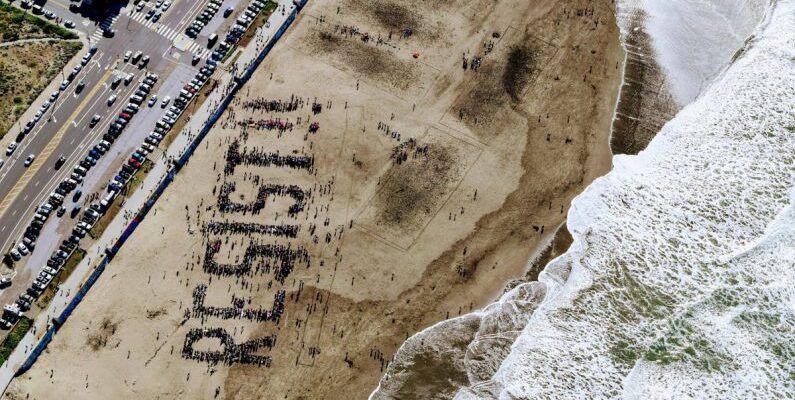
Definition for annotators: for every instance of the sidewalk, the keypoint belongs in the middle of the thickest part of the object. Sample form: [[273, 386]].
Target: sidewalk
[[95, 253]]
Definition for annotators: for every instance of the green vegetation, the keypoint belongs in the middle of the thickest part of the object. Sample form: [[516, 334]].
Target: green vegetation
[[68, 267], [197, 101], [26, 68], [16, 24], [262, 18], [12, 340], [25, 71]]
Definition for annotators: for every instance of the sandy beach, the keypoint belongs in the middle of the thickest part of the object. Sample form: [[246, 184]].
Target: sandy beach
[[392, 164]]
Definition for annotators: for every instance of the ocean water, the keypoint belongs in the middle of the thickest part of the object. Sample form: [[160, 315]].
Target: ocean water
[[680, 282], [694, 40]]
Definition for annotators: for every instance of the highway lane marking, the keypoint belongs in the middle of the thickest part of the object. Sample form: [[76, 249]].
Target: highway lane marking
[[72, 158], [46, 152]]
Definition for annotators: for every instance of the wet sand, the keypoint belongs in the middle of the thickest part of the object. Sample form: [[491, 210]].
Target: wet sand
[[430, 187]]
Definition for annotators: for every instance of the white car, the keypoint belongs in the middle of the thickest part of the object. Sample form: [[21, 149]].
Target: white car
[[153, 101], [165, 5], [165, 101], [11, 147], [111, 99], [127, 55], [23, 249], [29, 160]]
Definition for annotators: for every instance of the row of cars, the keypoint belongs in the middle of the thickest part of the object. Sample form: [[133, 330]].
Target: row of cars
[[156, 11], [204, 17], [90, 216], [46, 106], [237, 30], [39, 9], [79, 172]]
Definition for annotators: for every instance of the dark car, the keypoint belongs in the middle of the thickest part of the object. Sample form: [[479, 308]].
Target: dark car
[[61, 211], [94, 120], [59, 162], [75, 211], [128, 169]]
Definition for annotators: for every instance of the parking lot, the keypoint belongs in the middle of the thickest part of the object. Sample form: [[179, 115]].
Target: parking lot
[[125, 58]]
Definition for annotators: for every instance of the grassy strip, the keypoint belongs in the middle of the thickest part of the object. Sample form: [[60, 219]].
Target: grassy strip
[[197, 101], [14, 337], [13, 20], [68, 267], [262, 18], [135, 181], [229, 54]]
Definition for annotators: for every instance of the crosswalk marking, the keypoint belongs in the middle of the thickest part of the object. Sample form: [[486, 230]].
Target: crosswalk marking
[[168, 33], [140, 17], [198, 49], [105, 24]]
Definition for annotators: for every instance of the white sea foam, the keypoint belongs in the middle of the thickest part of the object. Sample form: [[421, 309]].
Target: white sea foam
[[680, 282], [694, 40]]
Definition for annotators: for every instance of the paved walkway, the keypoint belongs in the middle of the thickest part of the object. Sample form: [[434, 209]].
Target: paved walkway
[[135, 201], [48, 39]]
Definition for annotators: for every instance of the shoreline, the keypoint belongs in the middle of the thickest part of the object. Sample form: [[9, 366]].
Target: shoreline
[[344, 320]]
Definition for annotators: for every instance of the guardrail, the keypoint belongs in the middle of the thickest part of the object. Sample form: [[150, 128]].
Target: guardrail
[[238, 82]]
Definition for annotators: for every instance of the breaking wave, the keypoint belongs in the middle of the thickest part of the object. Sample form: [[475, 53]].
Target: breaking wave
[[680, 282]]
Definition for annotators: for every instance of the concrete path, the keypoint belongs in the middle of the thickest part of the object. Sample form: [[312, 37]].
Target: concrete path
[[24, 41]]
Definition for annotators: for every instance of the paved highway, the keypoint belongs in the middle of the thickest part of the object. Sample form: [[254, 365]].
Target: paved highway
[[64, 129]]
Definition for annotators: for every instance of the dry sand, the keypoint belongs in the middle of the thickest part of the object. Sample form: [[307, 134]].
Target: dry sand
[[431, 187]]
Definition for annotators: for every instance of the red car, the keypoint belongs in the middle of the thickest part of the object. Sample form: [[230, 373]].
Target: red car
[[125, 115], [190, 89], [132, 161]]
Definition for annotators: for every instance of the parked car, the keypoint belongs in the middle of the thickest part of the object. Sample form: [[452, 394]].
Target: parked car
[[23, 249]]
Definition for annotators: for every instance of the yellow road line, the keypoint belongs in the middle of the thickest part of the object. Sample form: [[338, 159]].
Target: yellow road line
[[49, 148]]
